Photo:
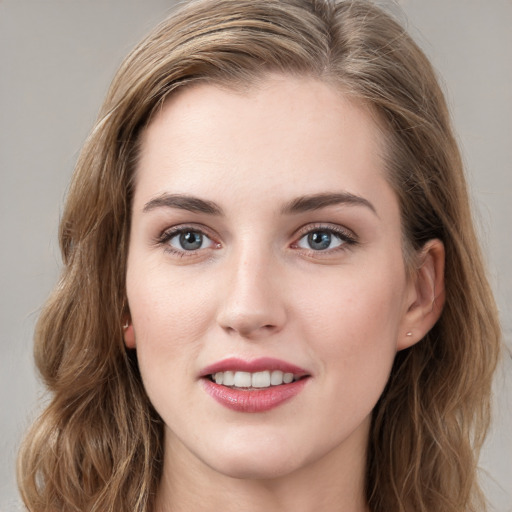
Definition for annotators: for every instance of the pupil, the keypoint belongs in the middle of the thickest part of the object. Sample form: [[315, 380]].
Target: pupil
[[191, 240], [319, 240]]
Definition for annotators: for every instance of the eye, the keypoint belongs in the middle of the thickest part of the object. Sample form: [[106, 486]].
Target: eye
[[188, 240], [324, 239], [319, 240], [183, 240]]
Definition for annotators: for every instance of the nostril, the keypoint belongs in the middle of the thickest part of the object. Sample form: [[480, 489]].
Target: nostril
[[250, 314], [248, 329]]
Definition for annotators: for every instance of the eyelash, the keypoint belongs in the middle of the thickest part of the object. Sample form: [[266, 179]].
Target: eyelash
[[165, 238], [346, 238]]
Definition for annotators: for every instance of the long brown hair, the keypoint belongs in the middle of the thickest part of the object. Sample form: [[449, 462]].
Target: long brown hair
[[98, 444]]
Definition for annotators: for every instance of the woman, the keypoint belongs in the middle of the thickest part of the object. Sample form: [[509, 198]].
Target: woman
[[273, 297]]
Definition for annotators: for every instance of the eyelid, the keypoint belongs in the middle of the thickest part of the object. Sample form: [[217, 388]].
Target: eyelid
[[167, 234], [326, 226], [347, 236]]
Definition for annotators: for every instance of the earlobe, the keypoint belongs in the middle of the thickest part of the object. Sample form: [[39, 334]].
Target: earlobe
[[427, 295], [129, 334]]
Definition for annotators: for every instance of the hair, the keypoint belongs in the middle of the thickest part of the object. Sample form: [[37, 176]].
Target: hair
[[98, 445]]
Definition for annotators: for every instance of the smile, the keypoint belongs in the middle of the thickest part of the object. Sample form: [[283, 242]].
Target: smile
[[253, 386], [256, 380]]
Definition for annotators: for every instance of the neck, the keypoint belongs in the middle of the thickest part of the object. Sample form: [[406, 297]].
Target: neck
[[333, 483]]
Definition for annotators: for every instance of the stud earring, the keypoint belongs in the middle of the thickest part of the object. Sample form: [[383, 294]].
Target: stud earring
[[126, 325], [409, 333]]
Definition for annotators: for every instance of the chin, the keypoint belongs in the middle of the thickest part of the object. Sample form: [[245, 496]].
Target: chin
[[255, 458], [254, 468]]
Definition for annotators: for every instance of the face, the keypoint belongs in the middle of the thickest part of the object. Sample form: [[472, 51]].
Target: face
[[265, 248]]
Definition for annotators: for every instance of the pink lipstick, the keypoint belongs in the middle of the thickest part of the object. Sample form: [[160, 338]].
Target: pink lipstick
[[253, 386], [256, 365]]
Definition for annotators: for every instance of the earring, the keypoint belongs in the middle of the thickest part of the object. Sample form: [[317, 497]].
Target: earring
[[129, 334], [409, 333]]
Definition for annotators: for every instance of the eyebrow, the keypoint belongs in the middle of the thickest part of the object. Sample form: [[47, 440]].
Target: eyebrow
[[183, 202], [298, 205], [323, 200]]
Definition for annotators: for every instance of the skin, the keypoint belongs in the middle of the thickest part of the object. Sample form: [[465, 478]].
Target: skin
[[256, 287]]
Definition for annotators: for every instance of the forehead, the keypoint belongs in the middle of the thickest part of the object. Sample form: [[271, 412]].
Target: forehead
[[294, 134]]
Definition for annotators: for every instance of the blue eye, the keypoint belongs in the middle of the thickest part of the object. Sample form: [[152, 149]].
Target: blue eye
[[321, 240], [189, 240]]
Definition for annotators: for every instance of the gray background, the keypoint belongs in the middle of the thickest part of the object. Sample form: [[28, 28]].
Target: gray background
[[56, 60]]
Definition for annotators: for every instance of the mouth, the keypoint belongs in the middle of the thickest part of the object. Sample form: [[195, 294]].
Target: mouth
[[254, 381], [253, 386]]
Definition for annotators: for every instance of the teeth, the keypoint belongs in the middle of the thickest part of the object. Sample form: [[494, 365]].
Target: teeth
[[287, 378], [243, 379], [255, 380], [228, 379], [261, 380], [276, 378]]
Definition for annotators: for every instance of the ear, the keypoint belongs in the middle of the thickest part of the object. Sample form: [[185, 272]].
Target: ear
[[129, 333], [426, 295]]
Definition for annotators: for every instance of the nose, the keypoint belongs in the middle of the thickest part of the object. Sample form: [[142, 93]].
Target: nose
[[253, 298]]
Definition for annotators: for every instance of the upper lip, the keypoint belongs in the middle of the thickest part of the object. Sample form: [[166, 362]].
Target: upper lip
[[255, 365]]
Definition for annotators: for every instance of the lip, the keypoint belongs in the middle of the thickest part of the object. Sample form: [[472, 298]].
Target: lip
[[253, 400], [256, 365]]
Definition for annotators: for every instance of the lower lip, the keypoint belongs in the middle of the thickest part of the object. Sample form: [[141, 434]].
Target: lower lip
[[254, 400]]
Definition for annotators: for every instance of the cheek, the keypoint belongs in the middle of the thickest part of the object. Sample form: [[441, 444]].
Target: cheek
[[165, 308], [170, 321], [168, 327], [355, 322]]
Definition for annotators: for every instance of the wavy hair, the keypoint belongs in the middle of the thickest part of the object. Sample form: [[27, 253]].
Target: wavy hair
[[97, 447]]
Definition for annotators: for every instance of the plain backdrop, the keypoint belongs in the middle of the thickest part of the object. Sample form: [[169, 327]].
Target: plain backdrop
[[57, 58]]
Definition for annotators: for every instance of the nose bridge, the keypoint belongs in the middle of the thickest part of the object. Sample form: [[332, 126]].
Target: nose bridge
[[252, 303]]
